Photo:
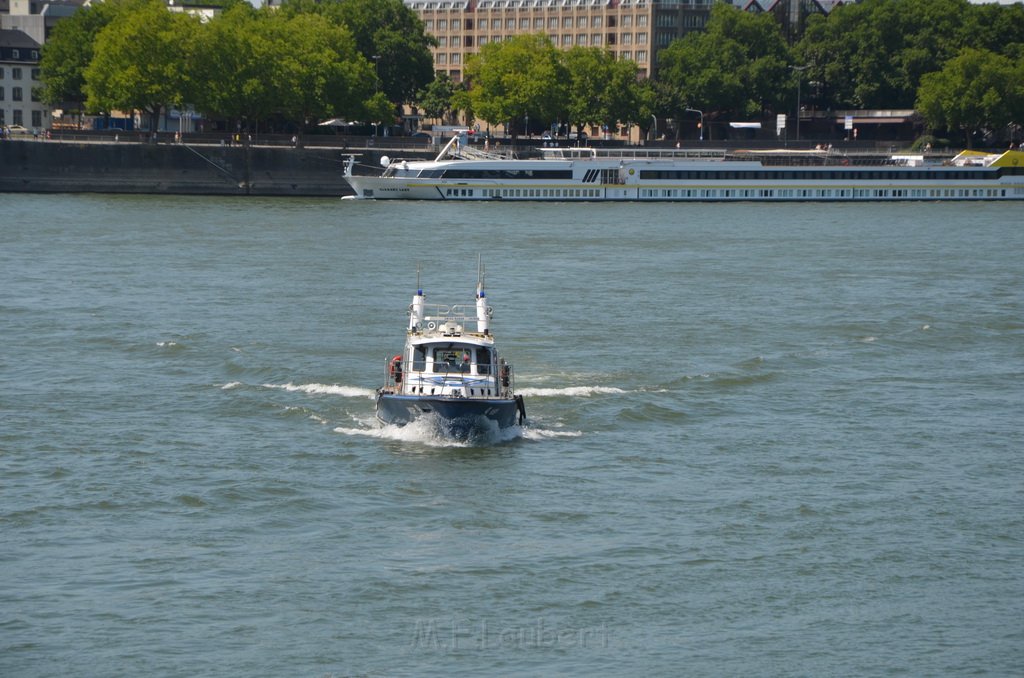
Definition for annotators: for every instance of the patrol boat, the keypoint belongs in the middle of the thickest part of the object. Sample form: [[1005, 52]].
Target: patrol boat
[[450, 369]]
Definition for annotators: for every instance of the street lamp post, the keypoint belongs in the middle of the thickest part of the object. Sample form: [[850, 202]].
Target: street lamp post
[[799, 70], [700, 124], [376, 76], [654, 119]]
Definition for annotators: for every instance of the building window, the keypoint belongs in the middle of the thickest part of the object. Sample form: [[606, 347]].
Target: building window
[[16, 118], [15, 94], [627, 39], [456, 41], [510, 24], [456, 59], [524, 24], [456, 25], [16, 74], [35, 73], [567, 40], [641, 38], [567, 22], [627, 21], [483, 40], [15, 54], [1, 93], [538, 24], [641, 56], [442, 41], [595, 39], [552, 24], [2, 69], [596, 22], [641, 21], [35, 55], [496, 24], [37, 118], [428, 25], [442, 24], [581, 39]]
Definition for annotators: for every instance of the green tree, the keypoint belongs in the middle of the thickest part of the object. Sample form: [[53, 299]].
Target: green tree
[[621, 101], [511, 80], [978, 90], [601, 90], [739, 66], [387, 33], [141, 60], [322, 74], [436, 99], [69, 50], [232, 69], [872, 54]]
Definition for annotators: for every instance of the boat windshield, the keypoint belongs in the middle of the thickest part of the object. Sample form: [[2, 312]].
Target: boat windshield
[[457, 359], [452, 359]]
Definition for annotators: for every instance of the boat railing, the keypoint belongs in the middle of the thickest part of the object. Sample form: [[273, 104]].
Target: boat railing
[[395, 374], [438, 317]]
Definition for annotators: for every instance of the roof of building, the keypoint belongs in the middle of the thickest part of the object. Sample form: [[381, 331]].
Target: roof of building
[[17, 39]]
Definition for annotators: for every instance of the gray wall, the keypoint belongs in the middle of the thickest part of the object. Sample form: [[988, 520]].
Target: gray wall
[[57, 167]]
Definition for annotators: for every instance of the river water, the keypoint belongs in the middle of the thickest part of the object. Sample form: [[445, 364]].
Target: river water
[[762, 440]]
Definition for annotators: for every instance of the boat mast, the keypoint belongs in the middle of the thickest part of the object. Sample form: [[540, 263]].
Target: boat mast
[[482, 322], [417, 309]]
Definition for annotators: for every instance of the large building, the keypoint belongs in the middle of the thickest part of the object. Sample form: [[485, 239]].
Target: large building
[[630, 29], [19, 82], [24, 27]]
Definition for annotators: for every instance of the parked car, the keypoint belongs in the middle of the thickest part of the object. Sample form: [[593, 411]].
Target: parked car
[[17, 129]]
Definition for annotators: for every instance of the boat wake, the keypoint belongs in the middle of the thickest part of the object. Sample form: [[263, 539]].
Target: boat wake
[[428, 431], [325, 389], [570, 391], [435, 432]]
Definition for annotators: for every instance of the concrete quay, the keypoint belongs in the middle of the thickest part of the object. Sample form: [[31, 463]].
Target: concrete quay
[[51, 166]]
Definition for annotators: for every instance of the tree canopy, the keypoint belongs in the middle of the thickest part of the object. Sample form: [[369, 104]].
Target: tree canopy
[[738, 66], [975, 90], [139, 60], [303, 63], [69, 50], [517, 79]]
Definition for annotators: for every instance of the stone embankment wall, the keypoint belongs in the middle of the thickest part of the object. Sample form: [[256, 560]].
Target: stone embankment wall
[[60, 167]]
